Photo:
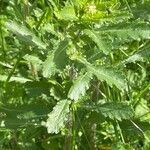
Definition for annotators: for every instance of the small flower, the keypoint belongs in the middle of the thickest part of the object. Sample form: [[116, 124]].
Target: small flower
[[91, 9]]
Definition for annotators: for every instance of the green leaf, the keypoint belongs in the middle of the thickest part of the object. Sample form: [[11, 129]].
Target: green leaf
[[24, 34], [80, 85], [143, 55], [67, 13], [125, 32], [56, 60], [56, 118], [110, 75], [34, 60], [60, 56], [20, 116], [114, 110], [49, 67], [16, 79], [101, 44], [112, 37]]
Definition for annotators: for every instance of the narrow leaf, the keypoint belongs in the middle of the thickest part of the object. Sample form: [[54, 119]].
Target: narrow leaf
[[114, 110], [142, 55], [16, 79], [24, 34]]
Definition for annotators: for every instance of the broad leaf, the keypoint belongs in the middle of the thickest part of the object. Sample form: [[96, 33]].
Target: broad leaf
[[20, 116], [33, 60], [55, 60], [109, 75], [80, 86], [67, 13], [56, 118]]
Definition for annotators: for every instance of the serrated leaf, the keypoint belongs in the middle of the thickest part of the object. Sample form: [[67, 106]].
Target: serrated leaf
[[114, 110], [16, 79], [110, 75], [49, 67], [142, 55], [112, 37], [80, 86], [24, 34], [56, 118], [98, 40], [56, 60], [127, 31], [34, 60]]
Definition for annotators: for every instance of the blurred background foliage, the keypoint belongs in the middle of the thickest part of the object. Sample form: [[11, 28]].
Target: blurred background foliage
[[74, 74]]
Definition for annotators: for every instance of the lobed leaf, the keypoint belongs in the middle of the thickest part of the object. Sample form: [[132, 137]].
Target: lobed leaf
[[80, 86], [56, 118], [110, 75], [112, 37], [49, 67], [114, 110]]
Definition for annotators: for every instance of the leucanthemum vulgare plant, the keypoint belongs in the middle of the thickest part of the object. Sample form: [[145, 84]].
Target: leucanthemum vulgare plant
[[75, 74]]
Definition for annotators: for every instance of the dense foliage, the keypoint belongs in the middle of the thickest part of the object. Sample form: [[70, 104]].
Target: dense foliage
[[74, 74]]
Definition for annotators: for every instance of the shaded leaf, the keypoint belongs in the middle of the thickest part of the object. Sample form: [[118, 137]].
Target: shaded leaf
[[112, 37], [143, 55], [110, 75], [114, 110], [20, 116], [60, 56]]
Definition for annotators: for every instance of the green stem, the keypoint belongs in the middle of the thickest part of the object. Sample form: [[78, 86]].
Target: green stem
[[12, 72], [138, 97], [120, 132]]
